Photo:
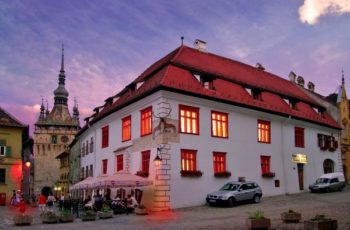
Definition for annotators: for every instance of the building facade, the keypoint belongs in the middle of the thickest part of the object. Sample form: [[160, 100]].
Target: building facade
[[11, 164], [210, 120], [54, 131], [62, 185]]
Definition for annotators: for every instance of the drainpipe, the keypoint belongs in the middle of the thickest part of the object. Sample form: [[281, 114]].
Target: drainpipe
[[283, 153]]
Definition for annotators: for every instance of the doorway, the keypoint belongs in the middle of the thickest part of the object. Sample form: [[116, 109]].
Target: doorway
[[301, 176], [328, 166]]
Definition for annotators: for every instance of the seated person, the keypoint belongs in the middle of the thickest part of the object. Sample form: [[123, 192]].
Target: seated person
[[131, 204]]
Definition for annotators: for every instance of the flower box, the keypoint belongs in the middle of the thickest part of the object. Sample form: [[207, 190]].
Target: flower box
[[49, 217], [222, 174], [291, 217], [263, 223], [320, 222], [22, 219], [89, 215], [268, 175], [105, 214], [191, 173], [66, 217], [141, 210]]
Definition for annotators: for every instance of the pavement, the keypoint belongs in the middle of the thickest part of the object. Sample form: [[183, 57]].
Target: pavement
[[334, 205]]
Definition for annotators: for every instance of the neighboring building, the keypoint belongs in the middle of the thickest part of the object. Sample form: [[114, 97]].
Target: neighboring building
[[74, 175], [211, 120], [11, 140], [54, 131], [62, 185]]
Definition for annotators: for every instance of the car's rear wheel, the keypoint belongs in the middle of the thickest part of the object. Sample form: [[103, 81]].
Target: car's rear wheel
[[256, 199], [231, 202]]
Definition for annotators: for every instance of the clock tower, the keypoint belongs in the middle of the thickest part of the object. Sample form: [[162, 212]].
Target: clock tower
[[53, 132]]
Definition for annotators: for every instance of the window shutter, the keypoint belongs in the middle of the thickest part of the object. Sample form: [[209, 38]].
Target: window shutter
[[8, 151]]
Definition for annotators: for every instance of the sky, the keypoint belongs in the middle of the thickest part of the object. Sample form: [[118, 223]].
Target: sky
[[109, 43]]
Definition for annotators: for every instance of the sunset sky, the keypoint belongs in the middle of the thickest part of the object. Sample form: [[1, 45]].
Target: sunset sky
[[108, 43]]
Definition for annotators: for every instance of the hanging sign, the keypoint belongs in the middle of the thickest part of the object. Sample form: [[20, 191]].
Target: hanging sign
[[299, 158]]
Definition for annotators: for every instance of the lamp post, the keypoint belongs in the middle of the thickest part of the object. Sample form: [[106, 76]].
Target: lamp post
[[157, 160]]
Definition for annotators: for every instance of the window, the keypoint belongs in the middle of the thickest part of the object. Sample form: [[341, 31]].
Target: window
[[2, 176], [120, 163], [105, 136], [91, 171], [104, 166], [86, 171], [219, 124], [2, 150], [126, 128], [299, 137], [264, 131], [54, 139], [207, 82], [83, 149], [189, 119], [219, 160], [145, 155], [265, 164], [91, 145], [87, 147], [82, 173], [188, 160], [146, 121]]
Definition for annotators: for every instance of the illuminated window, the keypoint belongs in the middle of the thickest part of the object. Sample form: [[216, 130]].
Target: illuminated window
[[299, 137], [265, 164], [219, 160], [120, 163], [126, 128], [189, 119], [104, 166], [146, 121], [2, 176], [105, 136], [145, 155], [219, 124], [264, 131], [188, 160]]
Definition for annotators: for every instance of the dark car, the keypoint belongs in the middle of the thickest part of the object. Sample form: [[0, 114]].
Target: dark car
[[235, 191]]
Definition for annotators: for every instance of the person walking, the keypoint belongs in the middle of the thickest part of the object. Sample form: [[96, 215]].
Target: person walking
[[42, 203], [50, 202]]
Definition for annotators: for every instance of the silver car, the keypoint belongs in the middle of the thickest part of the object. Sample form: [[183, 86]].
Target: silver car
[[235, 191]]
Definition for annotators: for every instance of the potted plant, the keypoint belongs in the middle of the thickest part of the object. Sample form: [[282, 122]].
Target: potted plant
[[291, 216], [49, 217], [66, 216], [88, 215], [257, 220], [141, 210], [320, 222], [105, 213], [23, 219]]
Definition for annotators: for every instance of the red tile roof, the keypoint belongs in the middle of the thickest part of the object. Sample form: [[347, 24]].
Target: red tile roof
[[175, 71]]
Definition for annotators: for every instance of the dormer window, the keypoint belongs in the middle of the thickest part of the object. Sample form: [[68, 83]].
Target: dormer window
[[205, 80], [255, 93]]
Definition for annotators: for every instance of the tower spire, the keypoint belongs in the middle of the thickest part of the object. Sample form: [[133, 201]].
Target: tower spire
[[62, 61], [342, 77], [61, 94]]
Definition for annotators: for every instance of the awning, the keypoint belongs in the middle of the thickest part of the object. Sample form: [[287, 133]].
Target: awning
[[122, 179]]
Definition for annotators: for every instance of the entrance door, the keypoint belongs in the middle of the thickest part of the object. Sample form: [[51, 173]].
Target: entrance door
[[301, 176]]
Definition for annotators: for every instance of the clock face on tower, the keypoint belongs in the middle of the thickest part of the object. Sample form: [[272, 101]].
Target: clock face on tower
[[64, 139]]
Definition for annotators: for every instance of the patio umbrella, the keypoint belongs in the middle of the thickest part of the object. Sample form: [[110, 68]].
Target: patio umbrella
[[80, 183], [122, 179]]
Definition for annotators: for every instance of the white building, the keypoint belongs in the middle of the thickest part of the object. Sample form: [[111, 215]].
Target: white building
[[213, 120]]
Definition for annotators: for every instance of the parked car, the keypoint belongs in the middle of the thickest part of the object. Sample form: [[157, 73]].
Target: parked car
[[329, 182], [235, 191]]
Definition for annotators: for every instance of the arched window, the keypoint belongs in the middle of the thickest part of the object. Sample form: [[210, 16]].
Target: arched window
[[328, 166]]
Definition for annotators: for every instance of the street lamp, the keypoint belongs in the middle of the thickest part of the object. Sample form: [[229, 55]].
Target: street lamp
[[157, 159]]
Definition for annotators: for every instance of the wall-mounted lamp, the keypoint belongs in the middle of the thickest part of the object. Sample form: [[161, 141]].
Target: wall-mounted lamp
[[157, 159]]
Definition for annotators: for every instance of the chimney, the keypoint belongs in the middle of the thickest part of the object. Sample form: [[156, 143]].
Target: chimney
[[311, 86], [259, 66], [292, 76], [200, 45], [300, 81]]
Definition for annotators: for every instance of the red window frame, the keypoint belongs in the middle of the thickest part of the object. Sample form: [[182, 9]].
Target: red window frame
[[104, 166], [219, 161], [146, 121], [145, 160], [126, 128], [265, 164], [120, 162], [189, 119], [299, 137], [264, 131], [219, 124], [105, 137], [188, 160]]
